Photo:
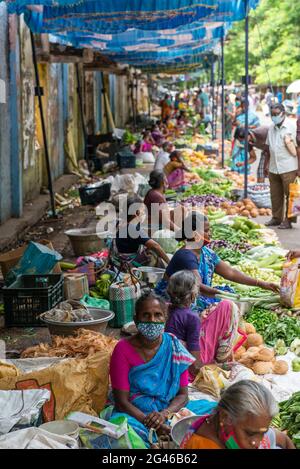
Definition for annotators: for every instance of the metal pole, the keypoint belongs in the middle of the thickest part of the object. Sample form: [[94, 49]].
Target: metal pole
[[39, 93], [213, 96], [246, 97], [223, 101], [136, 95], [79, 92], [105, 102], [149, 97]]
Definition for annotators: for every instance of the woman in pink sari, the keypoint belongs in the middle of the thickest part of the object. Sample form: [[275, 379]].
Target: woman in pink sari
[[175, 171]]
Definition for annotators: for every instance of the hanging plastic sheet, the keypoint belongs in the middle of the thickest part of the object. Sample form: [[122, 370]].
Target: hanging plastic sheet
[[151, 34]]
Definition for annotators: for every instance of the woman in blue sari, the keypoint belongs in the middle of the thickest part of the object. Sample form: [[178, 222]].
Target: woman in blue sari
[[238, 151], [197, 257], [149, 372]]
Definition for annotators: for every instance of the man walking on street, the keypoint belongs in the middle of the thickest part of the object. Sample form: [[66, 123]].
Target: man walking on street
[[281, 165]]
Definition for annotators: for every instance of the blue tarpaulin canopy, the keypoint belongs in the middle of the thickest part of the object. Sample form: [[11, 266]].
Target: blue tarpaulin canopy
[[145, 34]]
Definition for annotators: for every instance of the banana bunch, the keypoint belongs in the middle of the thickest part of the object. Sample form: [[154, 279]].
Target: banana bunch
[[101, 289]]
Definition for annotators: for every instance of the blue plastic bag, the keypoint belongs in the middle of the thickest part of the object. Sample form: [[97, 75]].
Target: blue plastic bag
[[37, 259]]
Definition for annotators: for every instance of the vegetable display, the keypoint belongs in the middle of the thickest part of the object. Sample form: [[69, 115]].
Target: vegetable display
[[288, 418]]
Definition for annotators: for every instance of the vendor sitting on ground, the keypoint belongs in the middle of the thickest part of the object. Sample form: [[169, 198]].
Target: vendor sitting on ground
[[211, 339], [159, 214], [147, 143], [149, 371], [241, 420], [132, 242], [175, 171], [195, 256], [157, 135]]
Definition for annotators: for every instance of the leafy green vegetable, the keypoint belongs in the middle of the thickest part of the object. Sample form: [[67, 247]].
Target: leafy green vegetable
[[288, 418], [221, 189], [286, 328], [280, 347]]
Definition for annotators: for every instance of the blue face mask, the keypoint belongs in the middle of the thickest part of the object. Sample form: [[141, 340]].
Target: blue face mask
[[278, 119], [151, 330]]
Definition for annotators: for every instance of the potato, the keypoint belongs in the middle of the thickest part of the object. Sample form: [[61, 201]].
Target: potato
[[240, 204], [248, 362], [240, 351], [264, 355], [249, 328], [254, 340], [262, 211], [246, 213], [252, 351], [262, 368], [280, 367], [254, 213]]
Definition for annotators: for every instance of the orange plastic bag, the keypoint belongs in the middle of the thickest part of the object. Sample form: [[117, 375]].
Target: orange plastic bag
[[294, 199], [290, 284]]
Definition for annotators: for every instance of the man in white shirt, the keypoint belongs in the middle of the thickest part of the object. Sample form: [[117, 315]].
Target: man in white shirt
[[282, 165], [163, 156]]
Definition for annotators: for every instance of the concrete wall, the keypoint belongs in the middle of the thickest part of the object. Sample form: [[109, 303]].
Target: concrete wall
[[22, 157], [5, 184]]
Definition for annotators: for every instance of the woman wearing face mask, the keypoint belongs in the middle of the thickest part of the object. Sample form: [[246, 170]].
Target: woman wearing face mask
[[131, 240], [211, 339], [148, 371], [241, 420], [197, 257]]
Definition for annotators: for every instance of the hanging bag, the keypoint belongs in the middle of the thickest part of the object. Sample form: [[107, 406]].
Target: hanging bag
[[294, 199]]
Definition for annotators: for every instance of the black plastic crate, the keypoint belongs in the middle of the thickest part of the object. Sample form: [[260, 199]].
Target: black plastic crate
[[94, 195], [26, 298], [126, 159]]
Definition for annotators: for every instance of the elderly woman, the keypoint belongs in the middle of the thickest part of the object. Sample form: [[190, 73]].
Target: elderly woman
[[148, 371], [241, 420], [197, 257], [209, 339]]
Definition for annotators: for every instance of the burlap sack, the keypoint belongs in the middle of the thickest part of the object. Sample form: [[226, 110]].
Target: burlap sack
[[75, 385]]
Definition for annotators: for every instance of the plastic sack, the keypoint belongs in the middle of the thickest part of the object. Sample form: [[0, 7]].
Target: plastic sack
[[75, 385], [90, 302], [130, 440], [36, 438], [290, 284], [37, 259], [166, 240], [146, 156], [294, 199], [20, 409]]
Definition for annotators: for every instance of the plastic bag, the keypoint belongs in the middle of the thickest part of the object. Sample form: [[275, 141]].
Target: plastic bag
[[290, 284], [130, 440], [166, 240], [294, 199], [20, 409], [37, 259]]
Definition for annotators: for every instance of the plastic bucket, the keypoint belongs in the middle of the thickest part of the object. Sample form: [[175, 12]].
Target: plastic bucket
[[62, 427]]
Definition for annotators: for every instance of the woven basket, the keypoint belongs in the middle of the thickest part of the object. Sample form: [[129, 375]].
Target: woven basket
[[122, 300]]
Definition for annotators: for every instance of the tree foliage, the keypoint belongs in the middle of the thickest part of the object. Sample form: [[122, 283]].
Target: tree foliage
[[274, 44]]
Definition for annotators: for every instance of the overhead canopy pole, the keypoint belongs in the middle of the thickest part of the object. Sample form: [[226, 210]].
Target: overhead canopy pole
[[246, 96], [223, 100], [79, 93], [39, 94], [213, 95]]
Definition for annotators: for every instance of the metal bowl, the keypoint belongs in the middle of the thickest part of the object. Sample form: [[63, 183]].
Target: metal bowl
[[180, 429], [149, 274], [98, 324]]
